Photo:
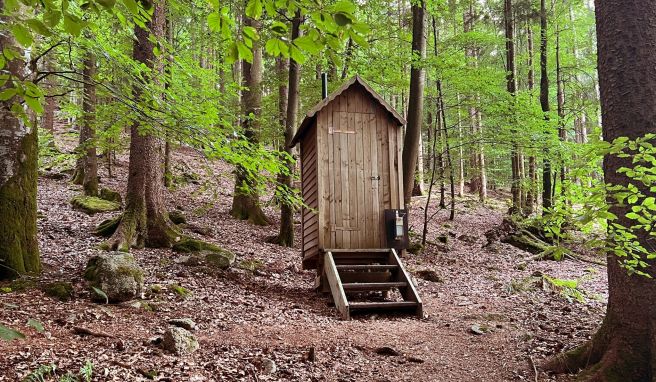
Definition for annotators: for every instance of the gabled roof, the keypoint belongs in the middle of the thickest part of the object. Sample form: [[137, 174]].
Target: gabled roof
[[312, 114]]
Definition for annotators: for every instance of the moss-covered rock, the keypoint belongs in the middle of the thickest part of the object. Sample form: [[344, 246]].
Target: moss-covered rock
[[107, 227], [251, 264], [61, 290], [189, 245], [110, 195], [179, 290], [117, 274], [179, 341], [92, 204], [221, 259], [177, 217], [212, 254], [22, 284], [415, 248]]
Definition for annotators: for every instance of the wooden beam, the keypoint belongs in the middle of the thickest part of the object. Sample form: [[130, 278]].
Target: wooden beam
[[410, 292], [336, 289]]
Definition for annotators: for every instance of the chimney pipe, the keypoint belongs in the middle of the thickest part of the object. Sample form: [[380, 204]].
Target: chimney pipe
[[324, 85]]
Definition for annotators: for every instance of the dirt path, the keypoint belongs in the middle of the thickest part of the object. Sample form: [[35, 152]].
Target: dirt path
[[273, 313]]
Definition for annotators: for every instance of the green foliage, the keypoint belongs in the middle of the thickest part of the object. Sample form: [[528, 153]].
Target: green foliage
[[8, 334], [99, 292], [46, 373]]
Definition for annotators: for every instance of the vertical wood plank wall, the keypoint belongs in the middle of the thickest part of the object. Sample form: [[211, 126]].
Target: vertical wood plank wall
[[357, 175], [310, 191]]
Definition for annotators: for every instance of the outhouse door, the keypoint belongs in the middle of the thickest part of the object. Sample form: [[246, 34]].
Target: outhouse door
[[359, 173]]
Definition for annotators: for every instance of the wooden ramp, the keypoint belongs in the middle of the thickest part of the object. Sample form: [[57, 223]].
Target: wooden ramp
[[365, 280]]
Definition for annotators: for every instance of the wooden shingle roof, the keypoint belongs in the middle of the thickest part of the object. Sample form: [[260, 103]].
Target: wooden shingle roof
[[355, 81]]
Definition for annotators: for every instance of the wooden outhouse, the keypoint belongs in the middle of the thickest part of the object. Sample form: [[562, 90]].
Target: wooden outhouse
[[352, 184]]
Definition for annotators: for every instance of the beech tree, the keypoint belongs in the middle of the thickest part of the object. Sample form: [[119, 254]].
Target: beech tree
[[246, 199], [19, 249], [286, 235]]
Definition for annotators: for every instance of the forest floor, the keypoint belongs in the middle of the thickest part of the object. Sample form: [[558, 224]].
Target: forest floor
[[245, 317]]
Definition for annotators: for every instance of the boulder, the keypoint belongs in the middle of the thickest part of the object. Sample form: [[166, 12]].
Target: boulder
[[117, 274], [221, 259], [92, 205], [111, 195], [184, 323], [179, 341], [429, 275], [61, 290], [177, 217]]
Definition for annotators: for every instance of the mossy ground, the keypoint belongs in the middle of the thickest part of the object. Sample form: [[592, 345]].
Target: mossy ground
[[92, 204], [60, 290]]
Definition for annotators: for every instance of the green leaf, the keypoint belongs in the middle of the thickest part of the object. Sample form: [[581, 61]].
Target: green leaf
[[132, 6], [100, 293], [36, 325], [345, 7], [233, 54], [251, 33], [276, 47], [107, 4], [297, 55], [34, 104], [254, 9], [22, 34], [72, 24], [52, 17], [39, 27], [279, 28], [8, 334], [6, 94], [342, 19], [307, 44], [214, 21], [244, 52]]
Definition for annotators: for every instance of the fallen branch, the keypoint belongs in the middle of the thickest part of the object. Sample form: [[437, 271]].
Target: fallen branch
[[81, 331]]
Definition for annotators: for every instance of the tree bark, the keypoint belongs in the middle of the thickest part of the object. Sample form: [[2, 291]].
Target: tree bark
[[511, 86], [531, 192], [246, 199], [544, 102], [145, 221], [288, 108], [478, 183], [19, 250], [624, 348], [416, 102], [560, 97]]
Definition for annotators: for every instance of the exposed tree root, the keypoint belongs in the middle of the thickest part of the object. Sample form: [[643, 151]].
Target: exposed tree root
[[247, 207]]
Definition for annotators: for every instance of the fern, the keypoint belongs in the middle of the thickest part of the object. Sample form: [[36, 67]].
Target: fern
[[86, 371], [41, 373]]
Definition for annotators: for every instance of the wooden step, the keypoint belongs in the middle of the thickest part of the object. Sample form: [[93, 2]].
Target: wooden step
[[366, 267], [363, 287], [383, 305]]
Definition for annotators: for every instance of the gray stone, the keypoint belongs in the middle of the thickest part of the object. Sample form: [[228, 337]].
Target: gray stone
[[429, 275], [117, 274], [268, 366], [179, 341], [185, 323]]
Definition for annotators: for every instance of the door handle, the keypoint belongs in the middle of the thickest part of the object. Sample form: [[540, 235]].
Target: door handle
[[375, 177]]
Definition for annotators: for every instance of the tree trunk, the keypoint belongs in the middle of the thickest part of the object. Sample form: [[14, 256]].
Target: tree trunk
[[90, 160], [544, 102], [624, 348], [246, 199], [418, 187], [478, 183], [531, 192], [168, 175], [511, 86], [416, 102], [145, 221], [560, 97], [19, 250], [288, 108]]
